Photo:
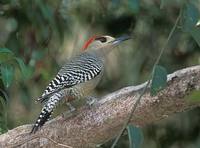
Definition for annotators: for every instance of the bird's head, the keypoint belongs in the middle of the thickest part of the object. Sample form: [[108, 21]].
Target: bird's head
[[103, 42]]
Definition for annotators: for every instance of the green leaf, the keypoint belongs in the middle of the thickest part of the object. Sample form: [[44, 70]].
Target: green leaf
[[26, 71], [134, 5], [5, 96], [5, 55], [46, 11], [162, 3], [3, 116], [135, 136], [5, 50], [7, 74], [159, 79], [191, 17]]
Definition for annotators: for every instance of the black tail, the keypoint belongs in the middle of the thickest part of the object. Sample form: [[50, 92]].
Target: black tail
[[46, 111], [41, 99], [43, 117]]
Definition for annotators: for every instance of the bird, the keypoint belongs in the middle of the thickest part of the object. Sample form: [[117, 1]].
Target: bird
[[78, 76]]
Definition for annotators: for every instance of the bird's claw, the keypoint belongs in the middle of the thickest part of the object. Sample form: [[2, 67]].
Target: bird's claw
[[91, 101], [68, 113]]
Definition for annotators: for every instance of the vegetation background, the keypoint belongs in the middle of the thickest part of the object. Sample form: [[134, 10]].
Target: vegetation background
[[38, 36]]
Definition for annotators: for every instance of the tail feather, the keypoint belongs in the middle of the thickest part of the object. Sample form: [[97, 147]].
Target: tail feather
[[46, 112], [42, 119], [42, 99]]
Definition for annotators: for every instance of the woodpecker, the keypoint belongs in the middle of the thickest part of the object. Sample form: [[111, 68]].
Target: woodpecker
[[78, 77]]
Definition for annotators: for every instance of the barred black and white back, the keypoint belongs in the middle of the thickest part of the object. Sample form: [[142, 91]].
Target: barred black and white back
[[79, 69]]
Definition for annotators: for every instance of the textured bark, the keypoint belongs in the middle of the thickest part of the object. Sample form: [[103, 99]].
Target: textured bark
[[103, 121]]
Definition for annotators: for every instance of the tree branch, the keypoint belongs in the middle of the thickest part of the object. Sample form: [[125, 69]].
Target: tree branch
[[103, 121]]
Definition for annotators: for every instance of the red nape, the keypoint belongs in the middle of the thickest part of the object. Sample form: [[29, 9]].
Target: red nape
[[85, 46]]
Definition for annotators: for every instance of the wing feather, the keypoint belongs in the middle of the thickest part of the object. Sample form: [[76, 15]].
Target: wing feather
[[79, 69]]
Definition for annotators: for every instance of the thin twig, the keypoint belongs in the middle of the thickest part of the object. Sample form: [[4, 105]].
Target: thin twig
[[57, 143], [145, 88]]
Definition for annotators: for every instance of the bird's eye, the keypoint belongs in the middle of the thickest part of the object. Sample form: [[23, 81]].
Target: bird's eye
[[102, 39]]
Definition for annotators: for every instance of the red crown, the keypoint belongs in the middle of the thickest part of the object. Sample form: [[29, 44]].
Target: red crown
[[85, 46]]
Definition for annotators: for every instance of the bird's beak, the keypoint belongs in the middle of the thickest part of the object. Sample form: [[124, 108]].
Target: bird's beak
[[120, 39]]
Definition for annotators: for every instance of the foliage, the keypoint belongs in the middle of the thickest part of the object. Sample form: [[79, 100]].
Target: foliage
[[191, 17], [135, 136], [159, 79], [3, 116], [8, 62]]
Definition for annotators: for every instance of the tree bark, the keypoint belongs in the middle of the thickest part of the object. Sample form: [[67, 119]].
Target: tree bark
[[103, 121]]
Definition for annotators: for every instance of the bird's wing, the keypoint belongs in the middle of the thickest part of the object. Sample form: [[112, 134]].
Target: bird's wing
[[79, 69]]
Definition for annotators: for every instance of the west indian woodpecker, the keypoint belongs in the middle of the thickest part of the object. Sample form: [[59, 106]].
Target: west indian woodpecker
[[78, 77]]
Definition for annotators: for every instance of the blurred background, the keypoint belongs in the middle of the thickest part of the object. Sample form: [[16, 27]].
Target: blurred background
[[38, 36]]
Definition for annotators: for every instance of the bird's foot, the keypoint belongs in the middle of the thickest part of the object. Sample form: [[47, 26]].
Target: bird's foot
[[70, 112], [91, 101], [71, 107]]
